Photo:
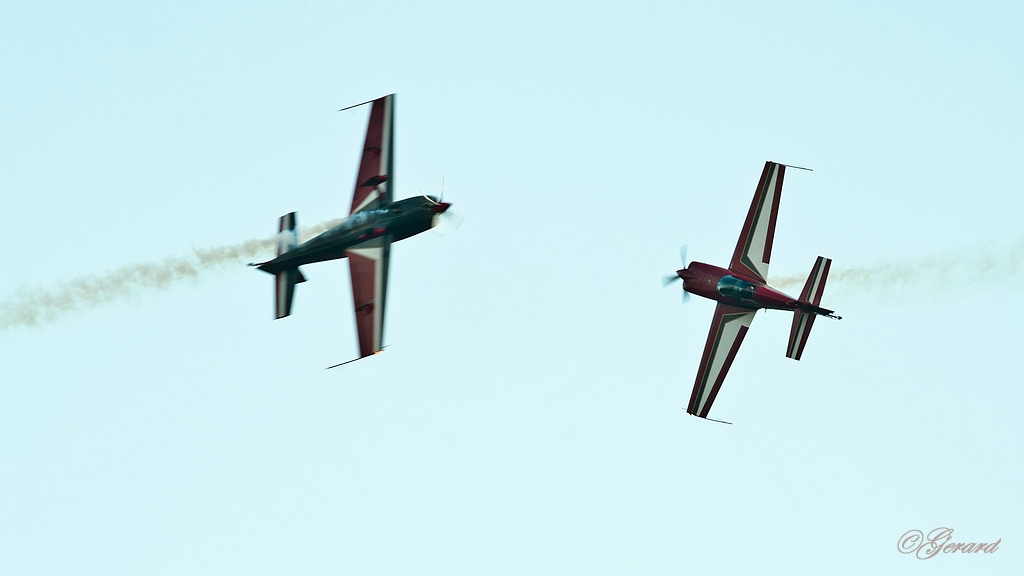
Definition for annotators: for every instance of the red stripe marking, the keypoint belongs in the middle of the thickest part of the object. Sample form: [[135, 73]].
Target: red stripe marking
[[363, 272], [710, 348], [725, 370], [821, 286], [370, 162], [806, 335], [744, 240], [775, 214]]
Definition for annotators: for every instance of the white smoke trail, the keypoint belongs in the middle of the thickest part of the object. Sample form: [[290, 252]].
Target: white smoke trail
[[939, 274], [35, 306]]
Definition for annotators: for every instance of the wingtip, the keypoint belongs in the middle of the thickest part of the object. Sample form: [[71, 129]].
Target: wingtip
[[356, 359], [706, 418], [367, 102], [355, 105]]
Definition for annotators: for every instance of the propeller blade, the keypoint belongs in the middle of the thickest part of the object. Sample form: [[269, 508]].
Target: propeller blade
[[682, 254], [446, 222], [668, 280], [454, 218], [686, 296]]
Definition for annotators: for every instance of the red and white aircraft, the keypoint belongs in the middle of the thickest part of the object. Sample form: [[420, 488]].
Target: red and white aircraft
[[742, 289]]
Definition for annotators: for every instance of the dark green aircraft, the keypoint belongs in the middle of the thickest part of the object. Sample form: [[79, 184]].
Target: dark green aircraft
[[365, 237]]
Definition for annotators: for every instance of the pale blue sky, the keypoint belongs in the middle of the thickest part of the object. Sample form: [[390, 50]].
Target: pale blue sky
[[528, 417]]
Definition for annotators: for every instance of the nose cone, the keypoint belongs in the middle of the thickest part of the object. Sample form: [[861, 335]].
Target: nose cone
[[440, 207], [686, 274]]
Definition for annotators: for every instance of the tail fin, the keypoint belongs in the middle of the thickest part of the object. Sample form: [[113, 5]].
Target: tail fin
[[808, 307], [285, 280]]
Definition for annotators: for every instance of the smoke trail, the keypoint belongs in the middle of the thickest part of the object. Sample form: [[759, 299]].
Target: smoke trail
[[942, 273], [35, 306]]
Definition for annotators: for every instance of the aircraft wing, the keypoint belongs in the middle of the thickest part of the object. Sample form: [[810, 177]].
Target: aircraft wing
[[376, 179], [368, 266], [728, 328], [754, 249]]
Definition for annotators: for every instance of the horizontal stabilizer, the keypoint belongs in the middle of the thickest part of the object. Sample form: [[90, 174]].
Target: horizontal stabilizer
[[284, 290], [802, 322], [808, 307], [287, 240], [286, 235], [815, 285]]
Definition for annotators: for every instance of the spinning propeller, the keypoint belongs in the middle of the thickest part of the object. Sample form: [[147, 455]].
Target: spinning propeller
[[673, 278], [445, 219]]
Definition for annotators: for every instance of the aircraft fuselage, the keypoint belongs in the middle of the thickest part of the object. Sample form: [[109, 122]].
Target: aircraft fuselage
[[399, 220], [726, 286]]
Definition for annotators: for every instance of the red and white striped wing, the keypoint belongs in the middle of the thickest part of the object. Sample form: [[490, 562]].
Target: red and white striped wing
[[376, 179], [728, 328], [754, 249], [368, 265]]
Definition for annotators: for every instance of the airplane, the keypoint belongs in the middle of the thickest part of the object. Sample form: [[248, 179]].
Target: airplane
[[375, 221], [742, 289]]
